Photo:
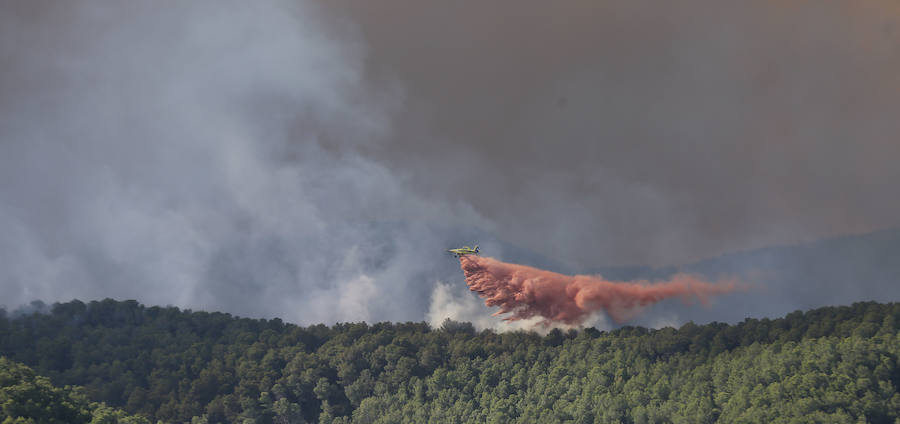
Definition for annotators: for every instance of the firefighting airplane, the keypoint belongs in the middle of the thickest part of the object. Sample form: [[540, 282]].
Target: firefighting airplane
[[465, 250]]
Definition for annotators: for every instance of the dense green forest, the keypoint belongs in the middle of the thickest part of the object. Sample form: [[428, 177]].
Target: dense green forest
[[835, 364], [27, 398]]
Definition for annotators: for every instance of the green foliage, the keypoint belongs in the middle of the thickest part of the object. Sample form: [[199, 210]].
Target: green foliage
[[828, 365], [29, 398]]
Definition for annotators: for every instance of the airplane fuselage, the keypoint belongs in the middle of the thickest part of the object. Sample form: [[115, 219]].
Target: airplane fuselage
[[465, 250]]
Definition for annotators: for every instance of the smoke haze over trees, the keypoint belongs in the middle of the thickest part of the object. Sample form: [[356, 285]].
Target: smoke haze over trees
[[311, 159]]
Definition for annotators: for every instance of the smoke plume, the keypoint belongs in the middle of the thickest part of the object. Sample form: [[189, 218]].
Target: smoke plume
[[526, 292]]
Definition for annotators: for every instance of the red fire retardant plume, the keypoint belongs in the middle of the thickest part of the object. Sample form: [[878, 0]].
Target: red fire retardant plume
[[525, 292]]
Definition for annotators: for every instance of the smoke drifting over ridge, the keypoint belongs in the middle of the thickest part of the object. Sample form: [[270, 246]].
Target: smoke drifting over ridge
[[525, 292], [179, 155], [311, 159]]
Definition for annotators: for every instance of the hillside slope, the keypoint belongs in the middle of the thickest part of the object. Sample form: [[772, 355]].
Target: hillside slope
[[830, 364]]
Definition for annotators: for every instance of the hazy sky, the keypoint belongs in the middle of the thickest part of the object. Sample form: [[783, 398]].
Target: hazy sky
[[311, 159], [646, 132]]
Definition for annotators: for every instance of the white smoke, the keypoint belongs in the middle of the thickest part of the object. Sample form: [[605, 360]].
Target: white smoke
[[457, 303], [202, 154]]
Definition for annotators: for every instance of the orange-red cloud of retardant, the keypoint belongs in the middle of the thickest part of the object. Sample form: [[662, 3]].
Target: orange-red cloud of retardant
[[525, 292]]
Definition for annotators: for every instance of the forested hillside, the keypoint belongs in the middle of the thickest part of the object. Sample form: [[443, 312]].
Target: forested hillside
[[836, 364]]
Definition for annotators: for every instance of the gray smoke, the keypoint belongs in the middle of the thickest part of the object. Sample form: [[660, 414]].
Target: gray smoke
[[646, 132], [202, 154], [311, 160]]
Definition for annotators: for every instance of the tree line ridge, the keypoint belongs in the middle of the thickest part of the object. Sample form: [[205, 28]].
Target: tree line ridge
[[172, 365]]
